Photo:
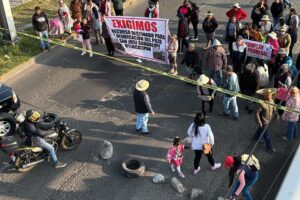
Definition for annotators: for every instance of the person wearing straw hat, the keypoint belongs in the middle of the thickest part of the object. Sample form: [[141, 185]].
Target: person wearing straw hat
[[215, 60], [209, 27], [237, 11], [205, 94], [263, 115], [273, 41], [283, 58], [266, 25], [292, 119], [142, 106], [284, 40], [172, 50], [248, 176]]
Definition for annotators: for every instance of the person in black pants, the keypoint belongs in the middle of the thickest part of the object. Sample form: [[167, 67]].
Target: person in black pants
[[197, 132], [195, 19], [109, 45]]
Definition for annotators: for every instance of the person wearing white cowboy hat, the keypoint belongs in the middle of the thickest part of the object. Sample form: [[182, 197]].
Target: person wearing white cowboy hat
[[263, 116], [215, 60], [205, 94], [142, 106], [209, 26], [237, 11], [266, 25], [284, 39]]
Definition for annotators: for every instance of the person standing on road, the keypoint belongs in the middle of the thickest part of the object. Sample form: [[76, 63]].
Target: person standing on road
[[40, 25], [293, 102], [284, 40], [192, 61], [142, 106], [247, 177], [206, 95], [118, 7], [209, 27], [263, 115], [195, 19], [172, 50], [182, 33], [277, 9], [76, 9], [65, 17], [292, 20], [96, 25], [231, 32], [237, 11], [238, 54], [109, 45], [215, 60], [257, 13], [151, 11], [105, 8], [266, 26], [229, 101], [175, 156], [185, 10], [201, 135], [86, 38]]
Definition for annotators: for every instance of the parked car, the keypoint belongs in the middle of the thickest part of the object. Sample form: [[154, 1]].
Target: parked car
[[9, 105]]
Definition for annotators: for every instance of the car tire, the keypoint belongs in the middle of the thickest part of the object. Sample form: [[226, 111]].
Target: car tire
[[48, 123], [133, 168], [7, 124]]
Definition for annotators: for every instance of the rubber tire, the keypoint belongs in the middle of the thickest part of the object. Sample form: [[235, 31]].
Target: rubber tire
[[133, 173], [64, 139], [48, 125], [21, 170], [9, 118]]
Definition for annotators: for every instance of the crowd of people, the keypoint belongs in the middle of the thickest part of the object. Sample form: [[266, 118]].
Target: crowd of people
[[234, 71]]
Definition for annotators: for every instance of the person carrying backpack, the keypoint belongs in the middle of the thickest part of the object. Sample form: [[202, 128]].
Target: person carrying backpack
[[247, 174]]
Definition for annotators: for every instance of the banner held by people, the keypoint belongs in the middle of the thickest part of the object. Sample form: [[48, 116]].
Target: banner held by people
[[258, 50], [145, 38]]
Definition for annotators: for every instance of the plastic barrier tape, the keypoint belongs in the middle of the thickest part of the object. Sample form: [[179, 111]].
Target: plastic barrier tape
[[181, 78]]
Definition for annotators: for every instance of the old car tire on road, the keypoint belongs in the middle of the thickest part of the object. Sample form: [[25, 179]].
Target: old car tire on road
[[133, 168]]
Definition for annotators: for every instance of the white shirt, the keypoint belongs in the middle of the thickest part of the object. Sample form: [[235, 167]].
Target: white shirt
[[205, 136], [263, 74]]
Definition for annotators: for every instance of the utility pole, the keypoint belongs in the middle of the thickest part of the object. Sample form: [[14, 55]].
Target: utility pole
[[7, 22]]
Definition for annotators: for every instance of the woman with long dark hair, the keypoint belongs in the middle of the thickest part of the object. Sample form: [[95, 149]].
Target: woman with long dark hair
[[201, 135]]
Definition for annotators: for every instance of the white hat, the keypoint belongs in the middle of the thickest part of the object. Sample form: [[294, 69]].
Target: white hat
[[236, 5], [202, 79], [142, 85], [265, 18], [282, 51], [217, 43], [210, 13], [273, 35], [266, 91]]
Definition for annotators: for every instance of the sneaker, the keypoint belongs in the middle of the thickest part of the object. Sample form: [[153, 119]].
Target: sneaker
[[172, 168], [59, 165], [138, 130], [146, 133], [224, 114], [91, 55], [175, 73], [172, 71], [216, 166], [83, 53], [272, 150], [139, 60], [181, 175], [196, 170], [284, 138]]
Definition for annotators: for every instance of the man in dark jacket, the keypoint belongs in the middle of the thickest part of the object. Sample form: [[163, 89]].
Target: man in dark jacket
[[209, 26], [277, 9], [35, 136], [182, 33], [40, 25], [195, 19], [142, 106], [108, 42]]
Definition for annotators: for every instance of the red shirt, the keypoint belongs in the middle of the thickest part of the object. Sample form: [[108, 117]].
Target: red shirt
[[240, 14]]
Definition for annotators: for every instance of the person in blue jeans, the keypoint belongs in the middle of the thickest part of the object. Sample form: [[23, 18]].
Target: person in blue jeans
[[35, 136], [40, 25], [263, 116], [247, 177], [229, 101], [142, 106]]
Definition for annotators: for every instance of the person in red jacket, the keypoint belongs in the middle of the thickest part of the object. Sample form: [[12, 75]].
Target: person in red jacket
[[237, 11]]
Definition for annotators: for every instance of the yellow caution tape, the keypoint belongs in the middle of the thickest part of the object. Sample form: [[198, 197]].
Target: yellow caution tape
[[181, 78]]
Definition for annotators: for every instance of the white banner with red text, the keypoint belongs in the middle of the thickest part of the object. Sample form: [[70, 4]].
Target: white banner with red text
[[145, 38], [258, 50]]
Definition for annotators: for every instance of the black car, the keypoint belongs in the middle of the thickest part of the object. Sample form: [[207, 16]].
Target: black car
[[9, 105]]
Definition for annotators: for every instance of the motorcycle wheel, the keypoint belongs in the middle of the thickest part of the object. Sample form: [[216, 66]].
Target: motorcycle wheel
[[72, 141], [19, 162]]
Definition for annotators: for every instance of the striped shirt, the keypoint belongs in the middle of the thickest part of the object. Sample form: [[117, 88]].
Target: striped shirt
[[215, 59]]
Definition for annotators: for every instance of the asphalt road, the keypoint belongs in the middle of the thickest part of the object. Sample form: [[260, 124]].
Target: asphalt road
[[94, 95]]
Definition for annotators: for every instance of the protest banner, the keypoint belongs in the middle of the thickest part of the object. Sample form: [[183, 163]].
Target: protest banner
[[145, 38], [258, 50]]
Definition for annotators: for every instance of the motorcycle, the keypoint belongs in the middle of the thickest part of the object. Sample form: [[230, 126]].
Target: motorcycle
[[25, 158]]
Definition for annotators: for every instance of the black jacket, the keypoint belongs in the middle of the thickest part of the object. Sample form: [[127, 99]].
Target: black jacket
[[209, 26], [40, 22], [249, 83], [277, 9], [141, 102], [191, 59], [86, 28], [31, 131]]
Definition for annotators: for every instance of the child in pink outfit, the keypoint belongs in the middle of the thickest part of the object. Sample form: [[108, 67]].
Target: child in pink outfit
[[175, 156]]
